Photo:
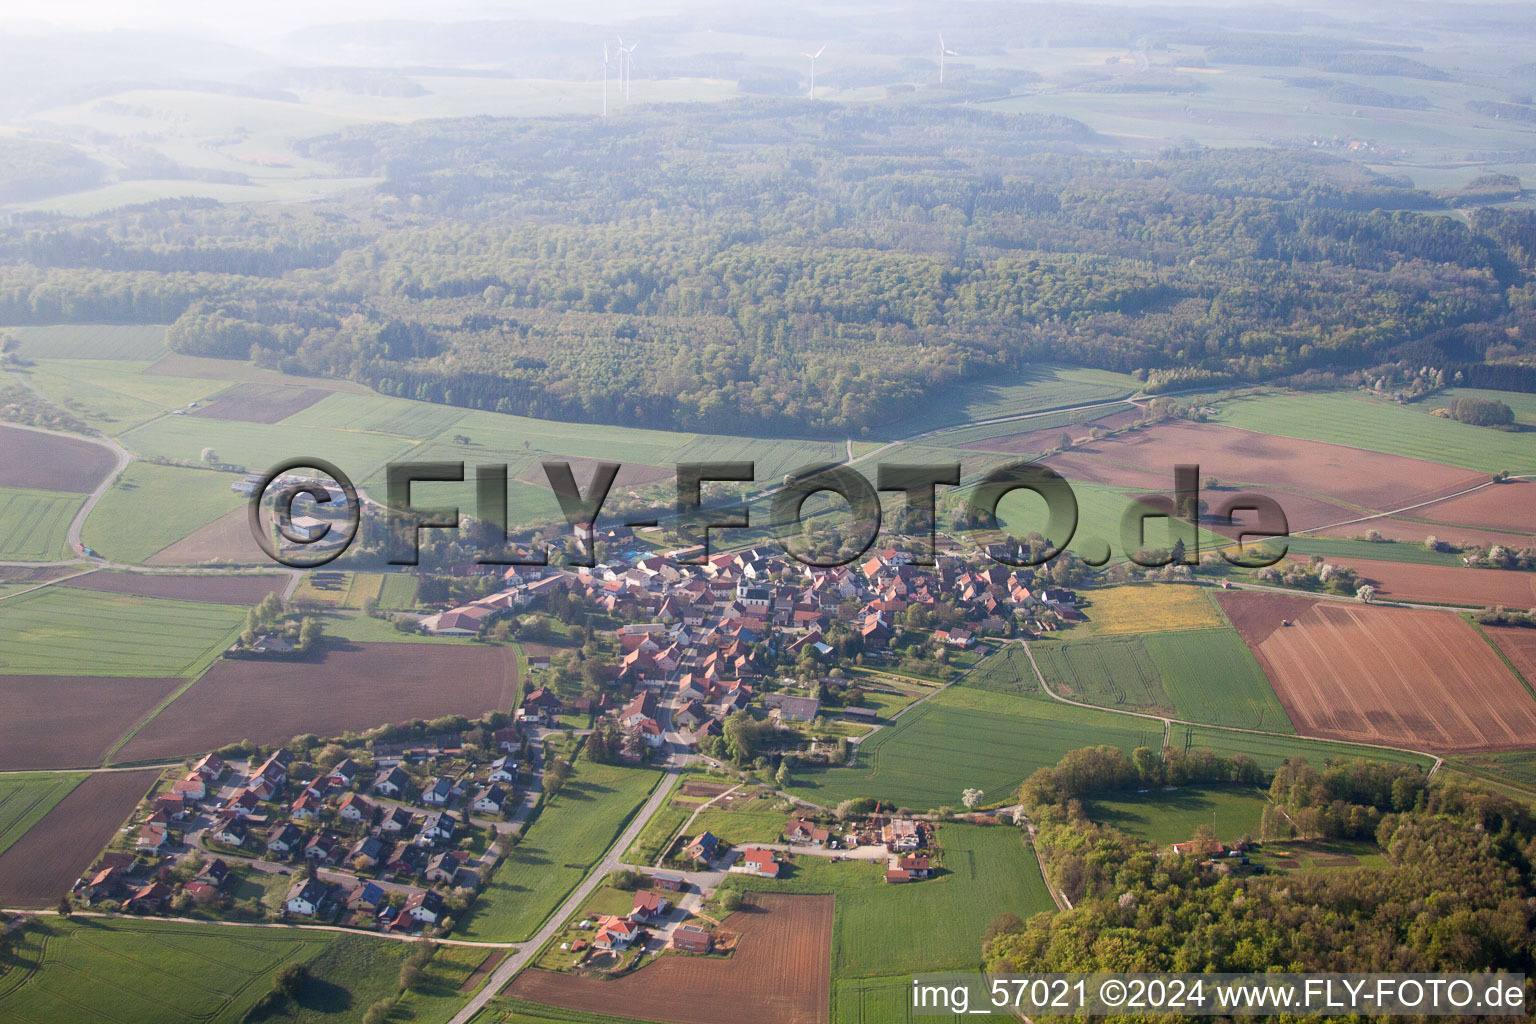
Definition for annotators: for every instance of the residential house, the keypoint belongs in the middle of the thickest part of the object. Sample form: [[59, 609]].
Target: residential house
[[392, 783], [792, 709], [759, 862], [648, 907], [324, 848], [425, 907], [690, 938], [800, 832], [397, 820], [148, 899], [668, 883], [439, 828], [437, 792], [615, 933], [503, 769], [151, 839], [490, 800], [367, 852], [284, 839], [542, 704], [307, 896], [230, 829], [355, 808], [703, 847], [914, 866]]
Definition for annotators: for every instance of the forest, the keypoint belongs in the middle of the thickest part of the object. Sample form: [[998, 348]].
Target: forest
[[1456, 893], [788, 267]]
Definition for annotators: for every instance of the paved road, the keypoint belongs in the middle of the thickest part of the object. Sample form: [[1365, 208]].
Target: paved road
[[612, 861]]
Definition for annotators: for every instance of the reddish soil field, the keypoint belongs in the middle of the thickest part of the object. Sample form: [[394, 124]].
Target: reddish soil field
[[260, 403], [226, 539], [43, 462], [479, 974], [43, 864], [631, 474], [1499, 514], [705, 789], [34, 574], [779, 974], [209, 589], [71, 721], [1366, 479], [1413, 532], [1519, 645], [1255, 614], [1404, 677], [347, 686], [1445, 584]]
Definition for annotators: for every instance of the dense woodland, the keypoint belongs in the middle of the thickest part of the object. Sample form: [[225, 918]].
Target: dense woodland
[[792, 267], [1457, 893]]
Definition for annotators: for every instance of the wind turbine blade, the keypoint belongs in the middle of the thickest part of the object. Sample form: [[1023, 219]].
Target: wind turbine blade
[[821, 51]]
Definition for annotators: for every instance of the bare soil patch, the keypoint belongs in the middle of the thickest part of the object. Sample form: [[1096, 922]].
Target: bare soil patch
[[1365, 479], [479, 974], [43, 864], [1404, 677], [1255, 614], [34, 574], [226, 539], [1445, 584], [1510, 506], [1519, 645], [247, 588], [45, 462], [71, 721], [260, 403], [708, 790], [345, 686], [779, 974]]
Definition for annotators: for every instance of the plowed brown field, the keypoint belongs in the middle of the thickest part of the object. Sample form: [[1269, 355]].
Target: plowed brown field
[[44, 462], [248, 588], [1403, 677], [43, 864], [779, 974], [71, 721], [260, 403], [1445, 584]]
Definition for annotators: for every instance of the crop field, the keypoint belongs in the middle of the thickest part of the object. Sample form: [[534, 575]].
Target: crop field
[[1036, 434], [660, 830], [1114, 672], [1445, 584], [398, 591], [984, 871], [571, 834], [1035, 390], [41, 724], [34, 525], [746, 824], [153, 507], [143, 972], [1504, 506], [257, 446], [1006, 671], [880, 1001], [245, 588], [225, 540], [1212, 677], [1148, 608], [1518, 644], [24, 799], [1349, 542], [379, 415], [966, 737], [1350, 419], [777, 974], [1172, 817], [57, 631], [91, 341], [41, 865], [1516, 767], [115, 395], [30, 460], [1269, 751], [1413, 678], [259, 403], [771, 458], [346, 686]]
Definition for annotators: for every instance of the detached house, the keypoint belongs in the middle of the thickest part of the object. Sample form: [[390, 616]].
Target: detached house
[[614, 933], [490, 800], [392, 783], [648, 906], [306, 897]]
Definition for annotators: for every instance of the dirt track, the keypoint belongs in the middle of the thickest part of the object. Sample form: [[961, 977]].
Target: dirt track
[[353, 686], [1413, 678], [779, 974], [44, 863]]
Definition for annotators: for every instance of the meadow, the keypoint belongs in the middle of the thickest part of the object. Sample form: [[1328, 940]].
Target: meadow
[[985, 871], [1269, 751], [1164, 817], [966, 737], [880, 1001], [572, 833], [1113, 672], [1347, 418], [34, 525], [742, 825], [1213, 677], [1006, 671], [1038, 389], [1147, 608], [116, 395], [1385, 551], [152, 507], [138, 972], [1053, 421], [91, 341], [257, 446], [398, 591], [63, 631], [25, 798]]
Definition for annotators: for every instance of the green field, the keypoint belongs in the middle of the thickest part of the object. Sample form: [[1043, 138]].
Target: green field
[[91, 341], [986, 871], [1269, 751], [880, 1001], [1034, 390], [571, 834], [1384, 551], [1069, 422], [398, 592], [26, 797], [256, 446], [966, 737], [1112, 672], [1006, 671], [1513, 767], [1164, 817], [746, 825], [114, 396], [1523, 406], [34, 525], [135, 972], [153, 507], [364, 629], [378, 414], [1213, 677], [59, 631], [1347, 418]]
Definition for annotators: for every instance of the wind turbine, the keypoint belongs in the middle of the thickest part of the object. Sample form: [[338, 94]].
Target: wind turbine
[[813, 57], [605, 79], [626, 65], [942, 53]]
